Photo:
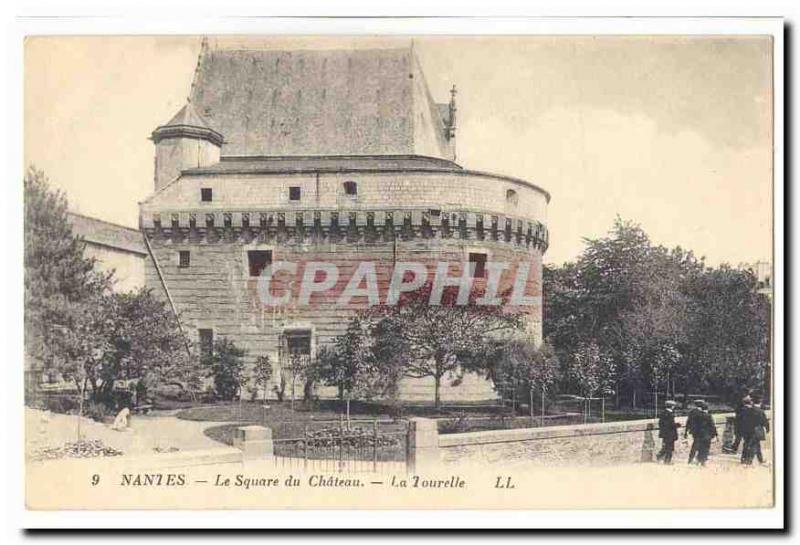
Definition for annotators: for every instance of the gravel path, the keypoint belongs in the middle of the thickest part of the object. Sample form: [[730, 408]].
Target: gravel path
[[45, 429]]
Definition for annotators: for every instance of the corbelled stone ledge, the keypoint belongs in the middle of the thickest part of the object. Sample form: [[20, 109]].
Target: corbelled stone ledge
[[346, 224]]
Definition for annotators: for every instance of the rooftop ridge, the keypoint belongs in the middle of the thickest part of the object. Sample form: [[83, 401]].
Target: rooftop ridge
[[99, 220]]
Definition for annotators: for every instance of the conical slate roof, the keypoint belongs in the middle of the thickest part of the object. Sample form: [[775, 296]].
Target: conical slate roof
[[188, 116], [187, 123]]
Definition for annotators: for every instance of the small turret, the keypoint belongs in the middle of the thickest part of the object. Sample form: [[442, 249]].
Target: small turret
[[186, 141]]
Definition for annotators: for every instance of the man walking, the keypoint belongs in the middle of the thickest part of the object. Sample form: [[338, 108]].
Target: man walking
[[733, 448], [754, 428], [692, 422], [706, 431], [668, 432]]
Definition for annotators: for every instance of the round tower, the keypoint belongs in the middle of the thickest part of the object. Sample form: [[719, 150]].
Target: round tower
[[186, 141]]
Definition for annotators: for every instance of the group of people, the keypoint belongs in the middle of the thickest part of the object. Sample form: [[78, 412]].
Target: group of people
[[750, 427]]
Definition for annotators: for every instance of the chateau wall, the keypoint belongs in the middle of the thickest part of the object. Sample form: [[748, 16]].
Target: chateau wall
[[216, 291], [129, 268], [376, 190]]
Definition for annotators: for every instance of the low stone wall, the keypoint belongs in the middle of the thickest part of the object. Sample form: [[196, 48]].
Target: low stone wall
[[594, 444]]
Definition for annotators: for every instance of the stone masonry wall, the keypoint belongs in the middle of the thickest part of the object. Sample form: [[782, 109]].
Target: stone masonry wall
[[216, 291], [589, 444], [389, 190]]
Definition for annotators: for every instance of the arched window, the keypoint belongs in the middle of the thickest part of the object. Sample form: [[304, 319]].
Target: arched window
[[512, 197], [351, 188]]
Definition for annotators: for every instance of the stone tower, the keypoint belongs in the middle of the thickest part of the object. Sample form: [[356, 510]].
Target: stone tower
[[334, 156]]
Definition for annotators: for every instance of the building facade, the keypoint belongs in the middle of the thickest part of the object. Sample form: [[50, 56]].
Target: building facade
[[305, 157], [115, 248]]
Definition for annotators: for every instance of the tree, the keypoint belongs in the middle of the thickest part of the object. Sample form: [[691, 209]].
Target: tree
[[729, 329], [590, 370], [660, 315], [527, 369], [226, 367], [75, 325], [439, 340], [59, 280], [262, 374], [356, 365], [144, 339]]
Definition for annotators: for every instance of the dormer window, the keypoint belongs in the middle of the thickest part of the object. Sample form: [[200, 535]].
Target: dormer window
[[206, 194], [351, 188], [294, 193]]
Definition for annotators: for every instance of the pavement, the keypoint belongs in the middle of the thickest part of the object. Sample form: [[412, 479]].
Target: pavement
[[146, 432]]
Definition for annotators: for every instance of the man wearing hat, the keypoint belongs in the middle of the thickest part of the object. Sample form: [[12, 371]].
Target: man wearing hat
[[737, 425], [668, 432], [754, 426], [705, 431], [692, 423]]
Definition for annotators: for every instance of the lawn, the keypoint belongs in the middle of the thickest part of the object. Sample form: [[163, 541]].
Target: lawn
[[311, 432]]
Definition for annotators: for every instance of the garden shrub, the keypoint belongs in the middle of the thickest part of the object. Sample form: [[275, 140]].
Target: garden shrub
[[97, 410], [61, 404], [226, 367]]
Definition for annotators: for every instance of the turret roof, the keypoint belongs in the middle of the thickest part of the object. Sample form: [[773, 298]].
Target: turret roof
[[187, 123]]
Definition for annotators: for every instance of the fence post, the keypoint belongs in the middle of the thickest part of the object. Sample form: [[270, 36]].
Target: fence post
[[305, 446], [530, 404], [422, 445], [648, 445], [341, 442], [541, 423], [374, 444], [255, 442]]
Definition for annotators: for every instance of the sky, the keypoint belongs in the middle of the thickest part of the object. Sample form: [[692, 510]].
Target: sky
[[673, 133]]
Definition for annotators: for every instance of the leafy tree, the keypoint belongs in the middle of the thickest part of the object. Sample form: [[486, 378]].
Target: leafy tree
[[357, 365], [59, 281], [439, 340], [661, 316], [526, 370], [729, 330], [590, 370], [225, 364], [75, 324], [262, 374], [143, 339]]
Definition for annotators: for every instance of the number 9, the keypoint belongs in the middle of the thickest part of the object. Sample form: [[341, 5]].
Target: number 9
[[95, 479]]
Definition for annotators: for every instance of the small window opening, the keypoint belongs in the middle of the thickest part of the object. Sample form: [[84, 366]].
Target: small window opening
[[299, 342], [183, 259], [206, 194], [477, 264], [351, 188], [257, 261], [512, 197], [294, 193]]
